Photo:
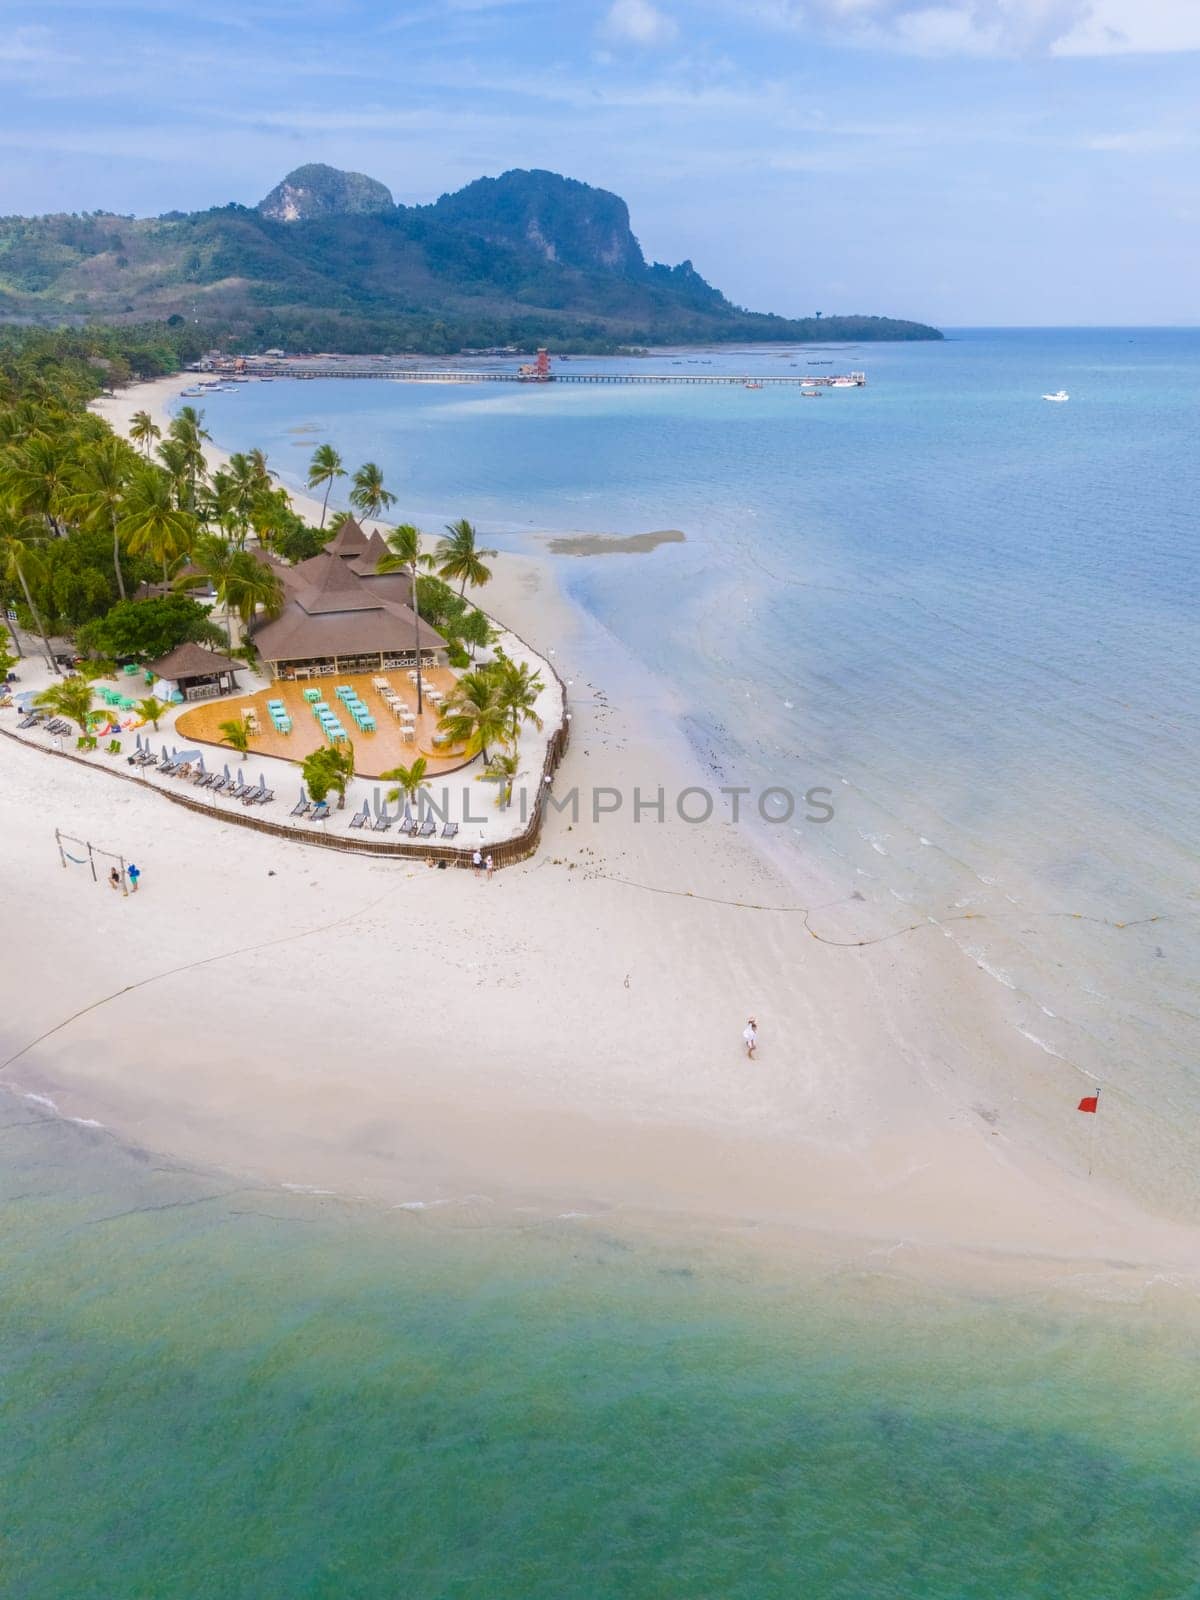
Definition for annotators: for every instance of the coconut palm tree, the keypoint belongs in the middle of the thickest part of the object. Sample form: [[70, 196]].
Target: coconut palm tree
[[250, 587], [460, 557], [503, 769], [368, 494], [144, 430], [241, 580], [519, 688], [189, 433], [236, 735], [72, 698], [327, 770], [325, 466], [34, 476], [95, 492], [404, 555], [408, 780], [475, 716], [174, 459], [151, 522], [260, 472], [19, 561], [152, 709]]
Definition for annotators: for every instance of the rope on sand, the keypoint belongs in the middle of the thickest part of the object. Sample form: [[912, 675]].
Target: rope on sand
[[189, 966], [857, 944]]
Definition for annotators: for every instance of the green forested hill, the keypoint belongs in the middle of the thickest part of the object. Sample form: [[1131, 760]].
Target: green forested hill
[[326, 261]]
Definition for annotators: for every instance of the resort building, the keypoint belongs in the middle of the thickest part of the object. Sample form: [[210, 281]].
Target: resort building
[[197, 673], [343, 616]]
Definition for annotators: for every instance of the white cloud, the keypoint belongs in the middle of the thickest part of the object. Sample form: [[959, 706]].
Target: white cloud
[[991, 27], [637, 22]]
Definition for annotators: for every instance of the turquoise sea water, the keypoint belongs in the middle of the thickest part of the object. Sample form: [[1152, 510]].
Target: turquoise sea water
[[969, 613], [210, 1391]]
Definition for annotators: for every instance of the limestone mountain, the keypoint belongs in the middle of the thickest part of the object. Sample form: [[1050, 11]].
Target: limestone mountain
[[319, 191], [326, 261], [561, 219]]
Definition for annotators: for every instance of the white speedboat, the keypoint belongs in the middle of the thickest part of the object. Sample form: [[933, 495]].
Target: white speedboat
[[1058, 398]]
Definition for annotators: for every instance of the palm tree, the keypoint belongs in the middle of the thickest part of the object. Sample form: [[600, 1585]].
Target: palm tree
[[153, 708], [240, 579], [188, 432], [325, 466], [144, 430], [249, 586], [503, 768], [72, 698], [19, 562], [260, 473], [151, 523], [96, 490], [459, 556], [519, 688], [34, 476], [174, 460], [404, 554], [475, 715], [236, 735], [408, 780], [368, 494], [336, 767]]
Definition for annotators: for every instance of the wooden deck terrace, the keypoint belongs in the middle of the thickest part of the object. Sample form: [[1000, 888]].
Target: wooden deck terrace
[[374, 753]]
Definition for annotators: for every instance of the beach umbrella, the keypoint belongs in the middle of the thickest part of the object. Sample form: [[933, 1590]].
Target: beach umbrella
[[262, 781], [137, 741], [200, 763], [227, 772], [240, 778]]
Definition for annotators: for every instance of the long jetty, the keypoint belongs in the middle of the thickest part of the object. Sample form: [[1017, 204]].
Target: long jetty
[[298, 369]]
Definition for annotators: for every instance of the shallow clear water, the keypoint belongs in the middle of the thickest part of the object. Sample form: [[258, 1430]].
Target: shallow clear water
[[214, 1391], [970, 614]]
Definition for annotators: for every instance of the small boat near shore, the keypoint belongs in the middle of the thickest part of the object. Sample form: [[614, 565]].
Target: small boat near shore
[[1058, 397]]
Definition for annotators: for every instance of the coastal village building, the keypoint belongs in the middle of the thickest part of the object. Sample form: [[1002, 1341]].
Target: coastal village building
[[342, 616]]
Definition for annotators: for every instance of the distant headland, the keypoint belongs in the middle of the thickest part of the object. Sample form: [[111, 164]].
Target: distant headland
[[327, 261]]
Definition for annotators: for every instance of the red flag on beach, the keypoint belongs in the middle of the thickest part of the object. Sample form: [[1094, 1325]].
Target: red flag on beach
[[1090, 1102]]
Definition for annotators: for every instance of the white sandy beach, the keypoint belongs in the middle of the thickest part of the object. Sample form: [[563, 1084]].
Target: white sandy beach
[[566, 1037]]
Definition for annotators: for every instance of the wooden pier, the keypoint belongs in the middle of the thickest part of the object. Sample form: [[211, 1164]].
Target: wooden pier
[[377, 370]]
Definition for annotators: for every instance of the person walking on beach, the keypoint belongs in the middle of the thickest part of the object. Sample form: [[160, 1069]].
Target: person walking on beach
[[750, 1036], [477, 862], [489, 866], [134, 874]]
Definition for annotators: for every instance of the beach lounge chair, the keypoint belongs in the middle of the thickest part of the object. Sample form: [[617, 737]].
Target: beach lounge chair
[[360, 818], [238, 790], [216, 784], [253, 795], [382, 822], [427, 829], [450, 830], [265, 797], [301, 808], [320, 811]]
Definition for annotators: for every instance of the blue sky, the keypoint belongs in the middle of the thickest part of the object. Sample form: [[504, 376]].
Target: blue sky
[[960, 161]]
